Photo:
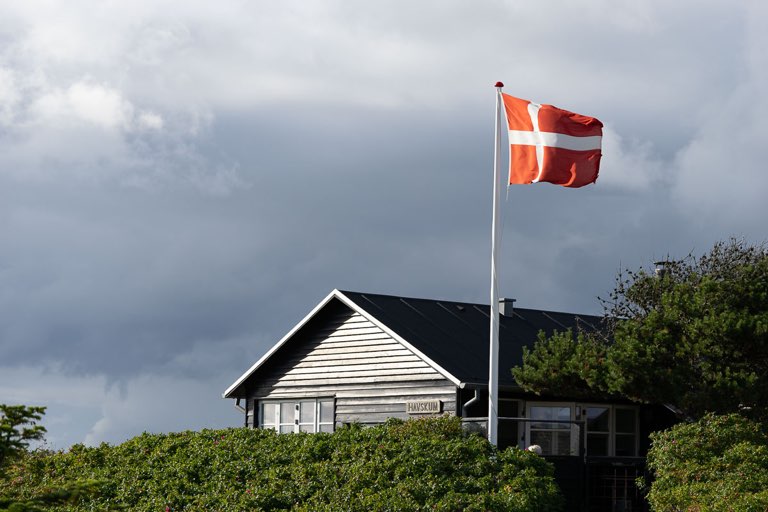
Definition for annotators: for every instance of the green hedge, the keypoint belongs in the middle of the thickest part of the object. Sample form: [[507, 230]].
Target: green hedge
[[430, 464], [719, 463]]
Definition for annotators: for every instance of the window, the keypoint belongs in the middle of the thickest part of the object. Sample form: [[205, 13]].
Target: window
[[609, 430], [598, 430], [508, 433], [308, 415], [626, 432], [551, 429]]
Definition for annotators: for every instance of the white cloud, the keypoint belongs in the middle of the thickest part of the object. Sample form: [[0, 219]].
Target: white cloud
[[9, 96], [721, 170], [150, 120], [722, 175], [92, 131], [86, 102], [100, 105], [629, 164]]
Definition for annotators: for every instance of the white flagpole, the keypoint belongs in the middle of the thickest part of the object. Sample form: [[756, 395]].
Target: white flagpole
[[493, 364]]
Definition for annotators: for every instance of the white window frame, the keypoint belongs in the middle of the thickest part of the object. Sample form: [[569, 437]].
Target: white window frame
[[578, 412], [571, 427], [612, 434], [295, 424]]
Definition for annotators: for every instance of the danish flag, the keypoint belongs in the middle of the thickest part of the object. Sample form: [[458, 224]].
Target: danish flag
[[551, 144]]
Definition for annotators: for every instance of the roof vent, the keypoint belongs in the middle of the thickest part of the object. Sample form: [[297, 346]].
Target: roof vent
[[506, 306]]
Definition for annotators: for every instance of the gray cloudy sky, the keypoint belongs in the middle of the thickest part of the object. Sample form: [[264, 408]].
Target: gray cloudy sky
[[181, 181]]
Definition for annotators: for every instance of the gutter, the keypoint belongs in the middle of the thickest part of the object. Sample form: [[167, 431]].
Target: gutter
[[471, 401]]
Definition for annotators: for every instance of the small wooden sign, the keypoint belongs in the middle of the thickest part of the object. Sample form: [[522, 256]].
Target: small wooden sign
[[423, 407]]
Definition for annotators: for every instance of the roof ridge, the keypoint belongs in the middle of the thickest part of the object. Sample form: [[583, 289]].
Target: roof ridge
[[466, 303]]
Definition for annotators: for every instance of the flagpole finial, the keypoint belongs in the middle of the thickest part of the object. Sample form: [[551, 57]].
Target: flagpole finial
[[499, 84]]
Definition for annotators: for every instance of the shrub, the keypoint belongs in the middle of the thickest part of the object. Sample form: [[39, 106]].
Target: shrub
[[719, 463], [428, 464]]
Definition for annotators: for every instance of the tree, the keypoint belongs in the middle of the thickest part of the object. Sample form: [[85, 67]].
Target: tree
[[693, 335], [18, 426], [564, 364]]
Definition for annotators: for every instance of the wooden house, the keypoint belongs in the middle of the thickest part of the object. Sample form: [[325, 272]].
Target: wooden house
[[364, 358]]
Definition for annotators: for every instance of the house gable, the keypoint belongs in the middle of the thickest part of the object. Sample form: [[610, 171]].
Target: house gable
[[348, 341], [341, 353], [339, 347]]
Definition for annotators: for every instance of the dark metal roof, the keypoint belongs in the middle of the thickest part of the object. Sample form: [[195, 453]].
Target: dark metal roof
[[455, 335]]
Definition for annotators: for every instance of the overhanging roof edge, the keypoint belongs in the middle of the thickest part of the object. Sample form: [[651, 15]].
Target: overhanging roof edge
[[335, 293]]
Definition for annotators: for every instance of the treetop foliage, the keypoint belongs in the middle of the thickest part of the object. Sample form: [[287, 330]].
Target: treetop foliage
[[638, 293], [18, 426], [694, 336]]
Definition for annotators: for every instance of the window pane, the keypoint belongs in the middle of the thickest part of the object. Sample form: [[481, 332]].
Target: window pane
[[564, 443], [268, 412], [552, 443], [507, 435], [625, 421], [297, 415], [625, 445], [287, 412], [508, 408], [597, 445], [326, 411], [545, 440], [550, 413], [541, 413], [307, 413], [597, 419]]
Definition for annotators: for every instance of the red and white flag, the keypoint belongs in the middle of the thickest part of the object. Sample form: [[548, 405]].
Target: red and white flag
[[551, 144]]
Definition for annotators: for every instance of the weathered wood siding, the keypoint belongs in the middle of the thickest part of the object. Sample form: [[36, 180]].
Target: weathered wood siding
[[344, 356]]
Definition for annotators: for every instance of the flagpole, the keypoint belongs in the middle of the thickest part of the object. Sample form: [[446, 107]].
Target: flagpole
[[493, 363]]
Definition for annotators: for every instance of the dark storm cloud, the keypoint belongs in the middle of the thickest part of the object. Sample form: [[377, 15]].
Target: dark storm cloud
[[176, 197]]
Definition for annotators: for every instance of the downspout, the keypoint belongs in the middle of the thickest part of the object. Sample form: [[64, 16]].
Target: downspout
[[471, 401]]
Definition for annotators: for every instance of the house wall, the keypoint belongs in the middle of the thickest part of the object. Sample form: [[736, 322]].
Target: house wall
[[342, 355]]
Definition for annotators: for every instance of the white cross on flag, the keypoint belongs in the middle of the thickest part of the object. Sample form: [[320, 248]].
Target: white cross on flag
[[551, 144]]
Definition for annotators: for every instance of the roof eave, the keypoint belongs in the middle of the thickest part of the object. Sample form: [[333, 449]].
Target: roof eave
[[229, 393], [339, 295]]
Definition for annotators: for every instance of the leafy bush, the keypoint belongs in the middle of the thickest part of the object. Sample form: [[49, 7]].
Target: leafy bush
[[429, 464], [719, 463]]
